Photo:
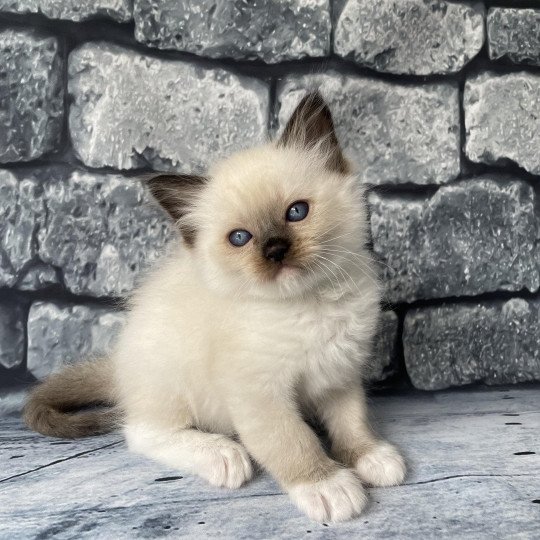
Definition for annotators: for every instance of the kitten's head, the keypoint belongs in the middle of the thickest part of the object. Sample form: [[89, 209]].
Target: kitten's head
[[276, 221]]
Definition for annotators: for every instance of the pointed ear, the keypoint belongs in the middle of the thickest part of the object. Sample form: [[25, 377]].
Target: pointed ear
[[175, 193], [311, 125]]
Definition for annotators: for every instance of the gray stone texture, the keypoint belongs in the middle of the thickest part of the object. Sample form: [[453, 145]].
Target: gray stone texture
[[464, 481], [514, 34], [102, 231], [384, 355], [393, 133], [31, 95], [502, 120], [420, 37], [22, 211], [95, 233], [272, 30], [63, 333], [72, 10], [458, 344], [468, 238], [39, 276], [130, 110], [12, 333], [12, 402]]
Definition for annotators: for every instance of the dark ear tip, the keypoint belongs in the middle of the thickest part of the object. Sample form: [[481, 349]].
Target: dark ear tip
[[314, 99], [151, 180], [164, 186], [174, 192], [172, 179], [156, 183]]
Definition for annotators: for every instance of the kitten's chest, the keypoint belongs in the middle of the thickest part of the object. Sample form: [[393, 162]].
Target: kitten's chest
[[331, 338], [326, 328], [323, 344]]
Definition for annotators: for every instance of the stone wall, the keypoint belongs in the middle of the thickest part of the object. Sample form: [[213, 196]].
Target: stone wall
[[437, 102]]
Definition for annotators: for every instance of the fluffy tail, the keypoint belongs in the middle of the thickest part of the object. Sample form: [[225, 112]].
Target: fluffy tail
[[52, 406]]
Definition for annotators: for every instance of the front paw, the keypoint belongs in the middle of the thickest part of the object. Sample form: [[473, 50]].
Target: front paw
[[382, 465], [337, 498], [224, 464]]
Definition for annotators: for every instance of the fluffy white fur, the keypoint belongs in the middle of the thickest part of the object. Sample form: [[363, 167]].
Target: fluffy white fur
[[209, 350], [222, 360]]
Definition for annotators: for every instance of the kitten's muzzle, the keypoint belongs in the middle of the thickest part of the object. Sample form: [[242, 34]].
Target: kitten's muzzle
[[275, 249]]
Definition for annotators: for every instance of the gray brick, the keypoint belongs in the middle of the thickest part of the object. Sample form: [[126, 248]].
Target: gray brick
[[130, 110], [12, 401], [468, 238], [420, 37], [31, 95], [12, 335], [384, 355], [393, 133], [458, 344], [72, 10], [102, 231], [514, 34], [62, 333], [39, 276], [22, 212], [95, 233], [274, 31], [502, 120]]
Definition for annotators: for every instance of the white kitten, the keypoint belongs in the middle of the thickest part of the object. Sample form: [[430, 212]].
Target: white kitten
[[264, 317]]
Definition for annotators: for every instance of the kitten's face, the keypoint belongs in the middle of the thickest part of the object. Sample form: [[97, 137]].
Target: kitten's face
[[275, 222], [278, 221]]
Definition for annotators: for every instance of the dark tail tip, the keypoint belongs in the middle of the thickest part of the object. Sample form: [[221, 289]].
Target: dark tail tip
[[77, 402], [47, 420]]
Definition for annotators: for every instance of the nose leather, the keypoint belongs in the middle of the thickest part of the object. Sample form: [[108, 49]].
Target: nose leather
[[275, 249]]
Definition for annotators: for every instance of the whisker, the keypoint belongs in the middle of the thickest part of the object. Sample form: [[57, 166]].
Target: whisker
[[344, 273], [320, 265], [334, 264], [337, 237], [358, 263], [350, 257], [339, 269], [359, 255]]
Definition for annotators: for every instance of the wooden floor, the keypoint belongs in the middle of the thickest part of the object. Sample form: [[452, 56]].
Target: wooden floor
[[474, 459]]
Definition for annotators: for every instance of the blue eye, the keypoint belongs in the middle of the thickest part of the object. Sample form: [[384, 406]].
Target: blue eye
[[297, 211], [239, 237]]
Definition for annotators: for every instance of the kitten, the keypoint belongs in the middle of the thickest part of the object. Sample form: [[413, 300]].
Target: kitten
[[264, 317]]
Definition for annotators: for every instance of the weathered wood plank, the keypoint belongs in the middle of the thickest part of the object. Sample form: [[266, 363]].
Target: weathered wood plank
[[461, 401], [466, 480], [22, 450]]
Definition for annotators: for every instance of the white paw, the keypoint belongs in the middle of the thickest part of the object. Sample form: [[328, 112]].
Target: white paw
[[337, 498], [225, 464], [381, 466]]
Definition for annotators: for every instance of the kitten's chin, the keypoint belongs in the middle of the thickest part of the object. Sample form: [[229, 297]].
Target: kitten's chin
[[287, 271], [286, 282], [292, 281]]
